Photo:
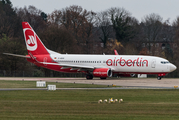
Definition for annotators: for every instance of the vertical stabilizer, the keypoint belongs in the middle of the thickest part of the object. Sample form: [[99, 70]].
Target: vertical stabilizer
[[33, 43]]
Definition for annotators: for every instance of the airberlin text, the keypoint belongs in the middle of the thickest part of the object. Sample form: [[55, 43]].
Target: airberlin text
[[139, 62]]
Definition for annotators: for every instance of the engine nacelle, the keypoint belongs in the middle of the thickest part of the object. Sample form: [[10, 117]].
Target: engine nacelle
[[102, 72]]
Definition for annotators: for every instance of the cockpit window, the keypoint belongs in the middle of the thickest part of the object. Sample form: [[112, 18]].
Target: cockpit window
[[165, 62]]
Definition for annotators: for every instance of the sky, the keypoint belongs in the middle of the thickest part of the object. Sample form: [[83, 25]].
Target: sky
[[167, 9]]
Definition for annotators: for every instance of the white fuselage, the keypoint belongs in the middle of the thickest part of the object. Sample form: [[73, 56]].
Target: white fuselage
[[118, 63]]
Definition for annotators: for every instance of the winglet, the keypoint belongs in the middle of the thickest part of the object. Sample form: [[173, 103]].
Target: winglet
[[116, 53]]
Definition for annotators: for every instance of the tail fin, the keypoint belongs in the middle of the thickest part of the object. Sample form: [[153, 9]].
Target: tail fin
[[33, 43]]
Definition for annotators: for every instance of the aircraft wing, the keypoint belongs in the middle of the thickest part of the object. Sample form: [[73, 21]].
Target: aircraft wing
[[69, 65], [23, 56], [73, 67], [47, 63]]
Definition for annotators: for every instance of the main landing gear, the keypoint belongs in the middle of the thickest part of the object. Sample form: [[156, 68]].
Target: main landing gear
[[89, 76]]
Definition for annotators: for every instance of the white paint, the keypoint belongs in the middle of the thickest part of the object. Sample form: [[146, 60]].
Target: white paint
[[32, 40], [51, 87], [142, 75], [41, 84]]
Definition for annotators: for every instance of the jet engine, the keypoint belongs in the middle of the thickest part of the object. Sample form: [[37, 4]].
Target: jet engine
[[102, 72]]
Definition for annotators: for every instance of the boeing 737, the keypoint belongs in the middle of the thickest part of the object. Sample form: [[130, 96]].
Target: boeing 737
[[101, 66]]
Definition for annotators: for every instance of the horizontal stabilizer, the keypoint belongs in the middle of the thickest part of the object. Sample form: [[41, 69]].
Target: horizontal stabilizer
[[23, 56]]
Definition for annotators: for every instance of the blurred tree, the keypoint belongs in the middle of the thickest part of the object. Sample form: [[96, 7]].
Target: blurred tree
[[175, 49], [10, 63], [152, 28], [90, 33], [121, 21], [59, 39], [44, 16], [9, 22], [105, 26], [143, 51], [78, 22], [34, 16], [112, 45]]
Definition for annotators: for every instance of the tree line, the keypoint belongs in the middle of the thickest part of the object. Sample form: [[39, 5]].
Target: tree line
[[76, 30]]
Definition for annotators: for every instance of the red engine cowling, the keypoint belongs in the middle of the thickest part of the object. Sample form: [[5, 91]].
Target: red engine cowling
[[102, 72]]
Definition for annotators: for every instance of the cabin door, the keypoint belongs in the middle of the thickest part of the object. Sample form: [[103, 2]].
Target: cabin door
[[153, 63]]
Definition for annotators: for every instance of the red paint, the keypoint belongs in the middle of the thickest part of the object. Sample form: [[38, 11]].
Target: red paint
[[107, 62], [146, 62], [161, 74], [129, 62], [116, 53], [122, 62], [32, 39], [101, 72]]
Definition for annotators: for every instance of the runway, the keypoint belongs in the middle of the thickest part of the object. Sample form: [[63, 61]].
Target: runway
[[111, 88], [125, 83]]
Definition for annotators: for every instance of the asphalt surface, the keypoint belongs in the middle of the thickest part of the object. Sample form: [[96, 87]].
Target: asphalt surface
[[125, 83]]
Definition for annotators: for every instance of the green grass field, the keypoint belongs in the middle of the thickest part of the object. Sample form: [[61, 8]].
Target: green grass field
[[32, 84], [140, 104]]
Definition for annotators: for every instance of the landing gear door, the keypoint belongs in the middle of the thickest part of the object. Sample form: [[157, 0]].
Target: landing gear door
[[153, 63]]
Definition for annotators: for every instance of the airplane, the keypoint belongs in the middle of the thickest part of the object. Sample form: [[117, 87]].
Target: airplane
[[101, 66]]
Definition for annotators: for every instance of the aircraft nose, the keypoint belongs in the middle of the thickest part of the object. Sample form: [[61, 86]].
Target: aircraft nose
[[172, 67]]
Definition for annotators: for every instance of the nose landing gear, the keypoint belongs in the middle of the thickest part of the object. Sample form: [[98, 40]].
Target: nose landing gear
[[159, 78]]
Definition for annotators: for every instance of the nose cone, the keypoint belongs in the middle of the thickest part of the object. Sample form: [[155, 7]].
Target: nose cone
[[172, 67]]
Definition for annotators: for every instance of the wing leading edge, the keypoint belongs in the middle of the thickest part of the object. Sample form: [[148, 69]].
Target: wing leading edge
[[23, 56]]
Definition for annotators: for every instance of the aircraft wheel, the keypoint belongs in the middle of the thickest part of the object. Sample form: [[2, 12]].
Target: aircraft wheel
[[89, 76], [159, 78]]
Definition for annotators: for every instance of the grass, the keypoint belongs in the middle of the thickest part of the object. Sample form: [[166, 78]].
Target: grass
[[32, 84], [17, 84], [147, 104]]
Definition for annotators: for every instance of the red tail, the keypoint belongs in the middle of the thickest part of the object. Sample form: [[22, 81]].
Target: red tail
[[33, 43]]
